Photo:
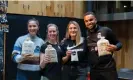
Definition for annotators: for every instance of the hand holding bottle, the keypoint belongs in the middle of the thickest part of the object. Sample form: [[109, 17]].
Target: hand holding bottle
[[46, 59], [27, 55], [68, 53], [111, 48]]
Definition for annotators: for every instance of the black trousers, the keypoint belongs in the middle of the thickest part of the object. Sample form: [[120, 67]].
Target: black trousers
[[103, 75], [74, 73]]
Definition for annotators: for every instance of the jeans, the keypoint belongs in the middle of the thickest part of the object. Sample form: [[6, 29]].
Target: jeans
[[28, 75]]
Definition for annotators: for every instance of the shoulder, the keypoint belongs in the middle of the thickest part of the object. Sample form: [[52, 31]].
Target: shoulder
[[105, 28], [22, 38], [65, 41], [44, 45], [40, 40]]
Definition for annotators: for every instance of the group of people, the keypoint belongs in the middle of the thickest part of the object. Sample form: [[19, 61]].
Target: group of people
[[74, 53]]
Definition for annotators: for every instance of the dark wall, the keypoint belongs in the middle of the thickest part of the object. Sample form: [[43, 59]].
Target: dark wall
[[18, 27]]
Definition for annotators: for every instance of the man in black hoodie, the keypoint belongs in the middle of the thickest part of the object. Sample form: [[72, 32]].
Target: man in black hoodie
[[102, 67]]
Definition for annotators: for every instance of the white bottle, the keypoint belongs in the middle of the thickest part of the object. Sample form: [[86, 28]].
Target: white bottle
[[52, 53], [28, 46], [102, 45]]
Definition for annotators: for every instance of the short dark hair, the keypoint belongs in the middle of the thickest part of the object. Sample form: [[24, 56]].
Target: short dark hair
[[89, 13]]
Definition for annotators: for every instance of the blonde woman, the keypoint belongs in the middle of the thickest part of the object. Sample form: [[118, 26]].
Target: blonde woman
[[51, 70], [75, 56]]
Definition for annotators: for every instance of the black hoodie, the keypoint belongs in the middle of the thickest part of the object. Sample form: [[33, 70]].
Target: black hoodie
[[104, 62]]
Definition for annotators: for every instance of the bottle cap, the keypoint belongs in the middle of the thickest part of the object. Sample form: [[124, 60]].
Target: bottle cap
[[49, 46], [102, 37]]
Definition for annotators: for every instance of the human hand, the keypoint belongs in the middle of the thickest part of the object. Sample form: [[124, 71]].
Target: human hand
[[68, 53], [27, 56], [111, 48], [46, 59]]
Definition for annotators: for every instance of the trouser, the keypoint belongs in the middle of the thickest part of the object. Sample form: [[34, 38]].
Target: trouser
[[103, 75], [51, 78], [74, 73], [28, 75], [44, 78]]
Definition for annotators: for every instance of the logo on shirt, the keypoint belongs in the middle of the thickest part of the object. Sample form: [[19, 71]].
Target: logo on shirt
[[37, 49], [68, 48]]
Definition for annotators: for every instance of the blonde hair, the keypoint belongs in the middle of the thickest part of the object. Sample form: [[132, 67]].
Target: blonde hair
[[78, 36], [49, 25]]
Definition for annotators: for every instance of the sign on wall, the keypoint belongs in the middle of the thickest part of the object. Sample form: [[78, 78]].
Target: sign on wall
[[3, 18]]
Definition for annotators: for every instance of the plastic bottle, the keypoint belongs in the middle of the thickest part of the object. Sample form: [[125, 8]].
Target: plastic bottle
[[28, 46], [102, 45], [52, 53]]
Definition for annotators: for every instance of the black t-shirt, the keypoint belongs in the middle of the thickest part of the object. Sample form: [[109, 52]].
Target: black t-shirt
[[53, 70], [103, 62], [81, 51]]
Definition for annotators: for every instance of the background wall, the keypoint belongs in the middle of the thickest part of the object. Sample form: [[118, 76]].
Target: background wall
[[48, 8]]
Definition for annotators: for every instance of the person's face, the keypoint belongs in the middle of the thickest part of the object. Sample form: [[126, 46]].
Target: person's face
[[72, 30], [52, 33], [90, 21], [33, 28]]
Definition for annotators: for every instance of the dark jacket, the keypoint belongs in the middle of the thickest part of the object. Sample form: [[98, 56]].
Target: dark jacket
[[104, 62]]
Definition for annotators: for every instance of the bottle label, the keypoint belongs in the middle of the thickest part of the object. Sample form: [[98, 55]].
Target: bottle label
[[102, 49], [28, 47], [52, 53]]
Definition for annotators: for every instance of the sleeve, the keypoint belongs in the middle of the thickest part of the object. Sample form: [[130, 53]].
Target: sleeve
[[16, 53], [113, 40], [43, 47]]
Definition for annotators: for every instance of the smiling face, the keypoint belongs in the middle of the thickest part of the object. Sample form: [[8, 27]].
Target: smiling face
[[72, 30], [33, 28], [90, 21], [52, 33]]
